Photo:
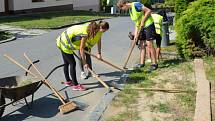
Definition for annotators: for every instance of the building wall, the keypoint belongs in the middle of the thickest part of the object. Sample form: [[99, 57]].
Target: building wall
[[28, 4], [86, 5], [2, 6]]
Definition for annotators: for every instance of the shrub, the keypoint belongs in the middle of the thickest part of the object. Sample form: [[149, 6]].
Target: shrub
[[196, 29], [180, 6], [170, 2]]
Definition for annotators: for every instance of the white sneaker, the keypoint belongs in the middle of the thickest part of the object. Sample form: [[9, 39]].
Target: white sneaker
[[83, 75]]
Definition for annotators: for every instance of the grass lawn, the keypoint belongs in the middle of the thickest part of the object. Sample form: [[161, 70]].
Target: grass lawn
[[51, 19]]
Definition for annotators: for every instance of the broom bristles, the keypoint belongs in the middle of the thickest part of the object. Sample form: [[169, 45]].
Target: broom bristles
[[68, 107]]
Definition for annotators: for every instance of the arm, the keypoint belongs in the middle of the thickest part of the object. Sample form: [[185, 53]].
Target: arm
[[99, 49], [147, 13], [82, 46], [136, 33]]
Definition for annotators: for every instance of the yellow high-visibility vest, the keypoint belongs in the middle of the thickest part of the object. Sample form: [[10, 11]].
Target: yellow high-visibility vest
[[70, 39], [137, 17], [91, 42], [158, 19]]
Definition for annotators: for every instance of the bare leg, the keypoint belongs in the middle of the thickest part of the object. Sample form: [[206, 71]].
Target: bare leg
[[142, 52], [152, 51], [158, 53]]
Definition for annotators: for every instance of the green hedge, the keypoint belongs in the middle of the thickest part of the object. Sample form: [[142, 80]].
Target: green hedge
[[196, 29], [180, 6]]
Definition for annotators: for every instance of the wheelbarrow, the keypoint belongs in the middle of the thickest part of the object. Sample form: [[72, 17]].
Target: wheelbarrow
[[15, 89]]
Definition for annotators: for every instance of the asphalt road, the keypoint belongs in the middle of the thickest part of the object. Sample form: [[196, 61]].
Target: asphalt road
[[115, 45]]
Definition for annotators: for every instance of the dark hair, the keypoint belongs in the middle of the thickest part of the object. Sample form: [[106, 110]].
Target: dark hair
[[120, 3], [104, 25], [92, 29]]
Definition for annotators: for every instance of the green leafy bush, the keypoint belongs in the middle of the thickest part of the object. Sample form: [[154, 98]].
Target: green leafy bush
[[170, 2], [196, 29], [180, 6]]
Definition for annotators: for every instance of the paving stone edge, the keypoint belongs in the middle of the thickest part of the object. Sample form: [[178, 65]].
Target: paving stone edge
[[97, 113]]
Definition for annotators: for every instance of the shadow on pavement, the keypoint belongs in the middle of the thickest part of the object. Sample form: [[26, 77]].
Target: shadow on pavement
[[43, 107], [112, 74], [98, 84]]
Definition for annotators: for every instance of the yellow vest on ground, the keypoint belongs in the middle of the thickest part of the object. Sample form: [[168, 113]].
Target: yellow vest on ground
[[137, 17], [70, 39], [158, 19]]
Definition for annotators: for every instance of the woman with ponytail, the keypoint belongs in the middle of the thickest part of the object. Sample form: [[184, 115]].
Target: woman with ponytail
[[79, 37], [96, 32]]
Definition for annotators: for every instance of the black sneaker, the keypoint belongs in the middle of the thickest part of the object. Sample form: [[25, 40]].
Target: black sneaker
[[154, 67], [139, 65]]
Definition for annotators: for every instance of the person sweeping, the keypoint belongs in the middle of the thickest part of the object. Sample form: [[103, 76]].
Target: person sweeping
[[89, 45], [144, 29], [78, 37]]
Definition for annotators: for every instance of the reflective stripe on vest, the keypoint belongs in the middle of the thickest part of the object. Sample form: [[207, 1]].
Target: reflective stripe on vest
[[70, 39], [69, 42], [137, 17]]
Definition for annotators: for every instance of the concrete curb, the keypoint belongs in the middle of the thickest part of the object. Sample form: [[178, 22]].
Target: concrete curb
[[97, 113], [8, 40]]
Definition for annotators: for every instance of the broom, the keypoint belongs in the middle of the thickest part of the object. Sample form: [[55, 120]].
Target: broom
[[66, 107]]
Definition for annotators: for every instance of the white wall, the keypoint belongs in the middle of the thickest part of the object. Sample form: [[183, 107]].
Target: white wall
[[2, 9], [86, 5], [27, 4]]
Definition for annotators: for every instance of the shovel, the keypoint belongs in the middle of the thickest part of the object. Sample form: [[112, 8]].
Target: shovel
[[66, 107]]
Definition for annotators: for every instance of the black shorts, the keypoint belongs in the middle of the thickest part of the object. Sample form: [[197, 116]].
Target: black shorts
[[147, 33], [158, 40]]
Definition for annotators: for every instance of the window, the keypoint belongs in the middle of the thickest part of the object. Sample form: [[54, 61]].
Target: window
[[38, 0]]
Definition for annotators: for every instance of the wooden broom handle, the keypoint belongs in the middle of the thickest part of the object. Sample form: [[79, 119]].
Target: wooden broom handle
[[18, 64], [97, 77], [130, 52], [45, 80], [105, 61]]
